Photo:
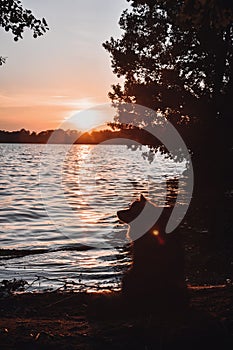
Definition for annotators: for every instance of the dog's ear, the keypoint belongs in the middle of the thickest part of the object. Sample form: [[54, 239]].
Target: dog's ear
[[142, 198]]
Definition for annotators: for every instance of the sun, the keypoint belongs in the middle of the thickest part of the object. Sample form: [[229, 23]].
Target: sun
[[86, 120]]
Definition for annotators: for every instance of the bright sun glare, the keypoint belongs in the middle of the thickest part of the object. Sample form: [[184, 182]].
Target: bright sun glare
[[87, 123], [86, 120]]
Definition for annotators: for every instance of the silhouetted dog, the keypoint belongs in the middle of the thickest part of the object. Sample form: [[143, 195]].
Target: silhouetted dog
[[157, 272]]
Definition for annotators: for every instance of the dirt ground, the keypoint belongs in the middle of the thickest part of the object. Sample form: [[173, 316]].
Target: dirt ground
[[99, 321]]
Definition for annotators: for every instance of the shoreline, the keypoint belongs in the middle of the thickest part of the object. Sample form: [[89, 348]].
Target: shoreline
[[71, 321]]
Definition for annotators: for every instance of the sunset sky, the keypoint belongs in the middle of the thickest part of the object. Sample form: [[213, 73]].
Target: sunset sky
[[47, 80]]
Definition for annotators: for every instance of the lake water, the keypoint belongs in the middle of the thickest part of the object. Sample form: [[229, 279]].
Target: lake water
[[58, 210]]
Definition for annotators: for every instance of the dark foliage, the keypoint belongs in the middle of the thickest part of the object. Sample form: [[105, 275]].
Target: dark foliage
[[14, 18], [176, 57]]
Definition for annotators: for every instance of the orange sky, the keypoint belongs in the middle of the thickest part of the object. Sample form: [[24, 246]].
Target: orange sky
[[47, 80]]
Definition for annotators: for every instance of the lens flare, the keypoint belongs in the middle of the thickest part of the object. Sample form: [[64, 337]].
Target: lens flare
[[155, 232]]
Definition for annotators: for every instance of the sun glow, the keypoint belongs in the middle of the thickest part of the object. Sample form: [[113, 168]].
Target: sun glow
[[87, 120]]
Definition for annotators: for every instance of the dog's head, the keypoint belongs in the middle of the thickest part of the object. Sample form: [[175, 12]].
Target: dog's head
[[134, 210]]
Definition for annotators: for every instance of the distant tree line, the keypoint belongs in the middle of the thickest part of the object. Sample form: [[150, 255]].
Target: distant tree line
[[25, 136], [115, 135]]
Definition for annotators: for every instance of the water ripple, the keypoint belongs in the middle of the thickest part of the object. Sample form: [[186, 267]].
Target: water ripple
[[96, 182]]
